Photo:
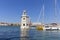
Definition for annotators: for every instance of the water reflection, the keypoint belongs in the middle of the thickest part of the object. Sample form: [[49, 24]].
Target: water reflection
[[24, 34]]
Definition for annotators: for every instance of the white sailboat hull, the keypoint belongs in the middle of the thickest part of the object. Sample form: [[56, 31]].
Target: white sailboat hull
[[52, 28]]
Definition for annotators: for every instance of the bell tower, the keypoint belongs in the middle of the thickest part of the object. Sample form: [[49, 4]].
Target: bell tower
[[25, 20]]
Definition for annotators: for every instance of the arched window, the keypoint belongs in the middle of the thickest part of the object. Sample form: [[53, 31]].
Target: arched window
[[23, 24]]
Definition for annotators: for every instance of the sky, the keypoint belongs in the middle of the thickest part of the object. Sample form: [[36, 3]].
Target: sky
[[11, 10]]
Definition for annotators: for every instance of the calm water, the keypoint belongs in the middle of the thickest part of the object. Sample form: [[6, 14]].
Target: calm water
[[14, 33]]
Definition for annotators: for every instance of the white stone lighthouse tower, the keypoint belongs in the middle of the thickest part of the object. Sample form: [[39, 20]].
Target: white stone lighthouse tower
[[25, 20]]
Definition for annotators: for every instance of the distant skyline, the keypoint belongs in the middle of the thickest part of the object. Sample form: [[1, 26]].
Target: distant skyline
[[11, 10]]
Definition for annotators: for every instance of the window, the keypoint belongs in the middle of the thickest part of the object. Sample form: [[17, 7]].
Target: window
[[23, 24], [27, 24], [23, 18]]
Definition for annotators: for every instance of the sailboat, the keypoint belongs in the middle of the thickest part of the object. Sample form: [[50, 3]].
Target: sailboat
[[41, 27], [52, 26]]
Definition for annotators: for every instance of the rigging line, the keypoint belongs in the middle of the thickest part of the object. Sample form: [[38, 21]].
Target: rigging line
[[39, 15]]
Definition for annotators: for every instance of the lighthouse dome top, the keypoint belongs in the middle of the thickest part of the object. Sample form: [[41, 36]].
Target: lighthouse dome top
[[24, 12]]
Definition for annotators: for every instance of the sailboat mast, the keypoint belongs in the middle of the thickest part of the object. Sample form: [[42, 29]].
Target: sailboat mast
[[55, 11], [43, 14]]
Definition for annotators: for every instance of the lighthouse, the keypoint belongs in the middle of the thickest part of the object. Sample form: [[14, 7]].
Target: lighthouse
[[25, 20]]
